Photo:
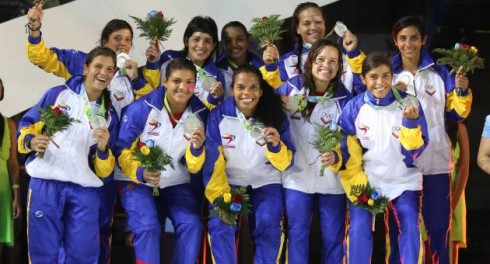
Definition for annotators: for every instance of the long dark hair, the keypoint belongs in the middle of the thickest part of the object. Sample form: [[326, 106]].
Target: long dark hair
[[112, 26], [309, 80], [106, 52], [294, 28], [201, 24], [269, 108]]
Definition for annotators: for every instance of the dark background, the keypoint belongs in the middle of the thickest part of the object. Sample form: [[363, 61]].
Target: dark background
[[449, 21]]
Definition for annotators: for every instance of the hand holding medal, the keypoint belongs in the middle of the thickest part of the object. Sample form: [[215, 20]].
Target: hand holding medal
[[194, 127], [271, 136]]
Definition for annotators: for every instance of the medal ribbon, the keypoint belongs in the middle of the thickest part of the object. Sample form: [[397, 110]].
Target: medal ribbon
[[87, 109]]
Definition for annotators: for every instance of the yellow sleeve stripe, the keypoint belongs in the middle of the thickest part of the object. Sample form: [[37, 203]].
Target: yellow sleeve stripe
[[356, 62], [218, 184], [280, 160], [336, 167], [194, 164], [45, 58], [411, 138], [152, 76], [460, 104], [143, 91], [104, 167], [354, 172], [129, 166], [209, 105], [34, 129], [272, 78]]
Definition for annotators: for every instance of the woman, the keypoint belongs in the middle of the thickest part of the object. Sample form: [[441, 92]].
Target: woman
[[200, 41], [159, 119], [442, 96], [64, 191], [307, 27], [118, 36], [383, 155], [326, 96], [235, 40], [234, 157], [9, 179]]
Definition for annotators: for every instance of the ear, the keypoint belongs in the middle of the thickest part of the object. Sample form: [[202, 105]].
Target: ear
[[85, 70], [186, 41], [424, 40], [363, 80]]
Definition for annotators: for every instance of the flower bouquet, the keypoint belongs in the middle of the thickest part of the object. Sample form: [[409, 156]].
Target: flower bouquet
[[153, 158], [155, 26], [326, 139], [267, 30], [368, 198], [55, 119], [231, 204], [461, 59]]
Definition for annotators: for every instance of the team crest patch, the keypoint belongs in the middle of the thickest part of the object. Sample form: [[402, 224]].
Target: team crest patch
[[430, 89], [365, 130], [228, 140], [395, 131], [119, 95], [326, 118], [64, 108], [153, 124], [296, 115]]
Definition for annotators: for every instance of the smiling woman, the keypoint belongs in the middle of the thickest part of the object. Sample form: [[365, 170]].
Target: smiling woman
[[57, 219], [248, 145]]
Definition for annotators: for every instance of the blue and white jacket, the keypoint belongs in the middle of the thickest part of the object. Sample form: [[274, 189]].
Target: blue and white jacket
[[234, 157], [77, 159], [380, 145], [148, 121], [304, 175]]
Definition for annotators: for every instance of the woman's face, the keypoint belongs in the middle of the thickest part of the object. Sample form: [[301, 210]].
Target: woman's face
[[98, 74], [180, 86], [246, 92], [236, 44], [378, 80], [120, 41], [326, 65], [311, 26], [200, 46], [409, 42]]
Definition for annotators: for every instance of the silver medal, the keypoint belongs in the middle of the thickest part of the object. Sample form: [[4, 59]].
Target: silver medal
[[257, 132], [406, 78], [191, 123], [293, 104], [121, 62], [97, 122], [207, 82], [410, 101], [340, 28]]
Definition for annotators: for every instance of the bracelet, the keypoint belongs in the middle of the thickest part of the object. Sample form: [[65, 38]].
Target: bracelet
[[31, 28], [15, 186]]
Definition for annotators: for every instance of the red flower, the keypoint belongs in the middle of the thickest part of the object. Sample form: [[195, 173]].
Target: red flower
[[160, 14], [237, 198], [57, 111], [141, 144], [264, 18], [465, 46], [363, 198]]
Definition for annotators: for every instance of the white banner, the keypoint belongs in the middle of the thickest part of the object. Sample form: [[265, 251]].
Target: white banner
[[77, 25]]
